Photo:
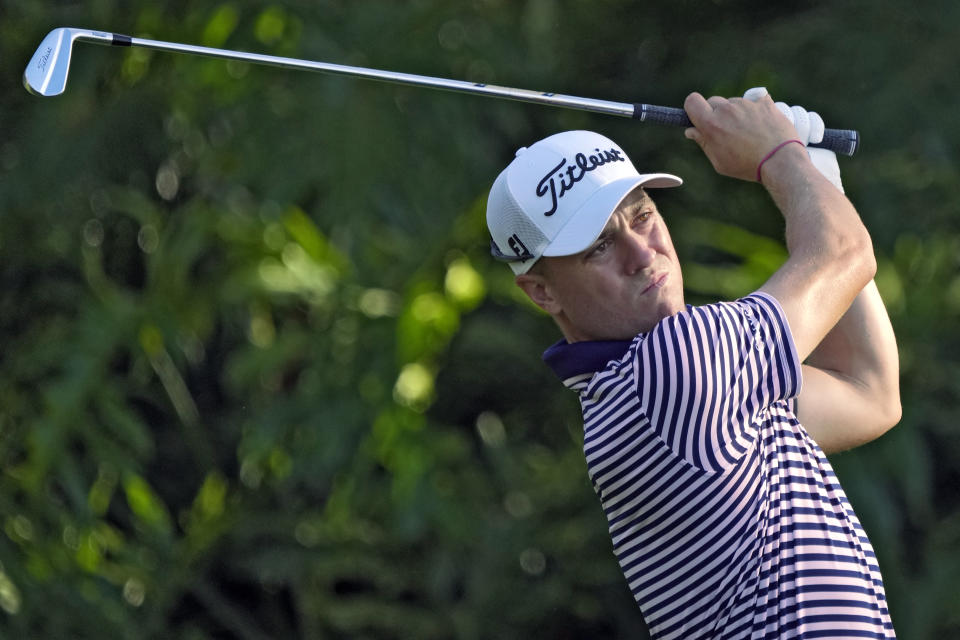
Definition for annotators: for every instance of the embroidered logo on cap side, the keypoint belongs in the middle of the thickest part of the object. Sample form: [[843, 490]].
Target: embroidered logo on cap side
[[516, 244]]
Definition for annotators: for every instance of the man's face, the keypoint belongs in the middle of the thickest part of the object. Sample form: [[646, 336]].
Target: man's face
[[622, 284]]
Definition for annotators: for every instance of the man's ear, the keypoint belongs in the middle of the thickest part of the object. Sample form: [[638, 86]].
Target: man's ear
[[538, 289]]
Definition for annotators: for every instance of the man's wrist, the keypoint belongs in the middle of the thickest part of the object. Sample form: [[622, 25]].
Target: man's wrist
[[787, 160], [773, 152]]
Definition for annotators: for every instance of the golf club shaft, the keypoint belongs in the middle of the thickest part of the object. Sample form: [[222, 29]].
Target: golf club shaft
[[838, 140]]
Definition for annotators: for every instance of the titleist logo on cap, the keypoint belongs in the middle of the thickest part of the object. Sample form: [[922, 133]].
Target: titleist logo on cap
[[574, 173]]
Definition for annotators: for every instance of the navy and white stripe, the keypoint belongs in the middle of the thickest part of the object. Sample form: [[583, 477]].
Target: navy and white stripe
[[726, 518]]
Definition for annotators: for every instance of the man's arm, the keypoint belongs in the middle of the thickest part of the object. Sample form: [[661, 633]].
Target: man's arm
[[830, 253], [850, 393], [851, 381]]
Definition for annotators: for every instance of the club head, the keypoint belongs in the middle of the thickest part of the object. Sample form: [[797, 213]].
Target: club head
[[46, 73]]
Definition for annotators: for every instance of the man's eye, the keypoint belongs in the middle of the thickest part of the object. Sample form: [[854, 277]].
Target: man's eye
[[643, 216], [600, 247]]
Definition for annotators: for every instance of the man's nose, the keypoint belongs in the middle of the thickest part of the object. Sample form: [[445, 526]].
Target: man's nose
[[638, 254]]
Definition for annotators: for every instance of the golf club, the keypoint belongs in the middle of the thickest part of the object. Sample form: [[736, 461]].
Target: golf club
[[46, 75]]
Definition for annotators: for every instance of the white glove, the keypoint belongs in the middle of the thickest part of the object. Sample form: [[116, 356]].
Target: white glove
[[810, 127]]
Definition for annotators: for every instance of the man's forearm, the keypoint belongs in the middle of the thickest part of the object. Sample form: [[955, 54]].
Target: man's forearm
[[831, 255]]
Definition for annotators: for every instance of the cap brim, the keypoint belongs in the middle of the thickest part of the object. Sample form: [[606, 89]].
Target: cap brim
[[590, 219]]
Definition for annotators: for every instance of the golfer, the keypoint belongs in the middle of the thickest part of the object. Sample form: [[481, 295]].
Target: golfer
[[706, 428]]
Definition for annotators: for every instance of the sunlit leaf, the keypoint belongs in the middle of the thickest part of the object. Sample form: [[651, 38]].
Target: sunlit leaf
[[145, 504]]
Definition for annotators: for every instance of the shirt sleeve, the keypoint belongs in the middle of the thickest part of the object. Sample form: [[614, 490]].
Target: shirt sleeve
[[708, 376]]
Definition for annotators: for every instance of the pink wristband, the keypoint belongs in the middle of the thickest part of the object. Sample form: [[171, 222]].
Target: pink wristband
[[773, 151]]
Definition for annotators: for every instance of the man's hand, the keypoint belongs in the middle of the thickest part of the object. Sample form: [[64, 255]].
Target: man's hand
[[736, 133]]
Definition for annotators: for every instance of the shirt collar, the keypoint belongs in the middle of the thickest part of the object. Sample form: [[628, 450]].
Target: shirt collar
[[576, 363]]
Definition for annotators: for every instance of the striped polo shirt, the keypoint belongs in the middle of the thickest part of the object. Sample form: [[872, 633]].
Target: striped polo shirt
[[726, 517]]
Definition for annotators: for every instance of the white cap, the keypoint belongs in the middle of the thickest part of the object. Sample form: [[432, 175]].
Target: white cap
[[556, 196]]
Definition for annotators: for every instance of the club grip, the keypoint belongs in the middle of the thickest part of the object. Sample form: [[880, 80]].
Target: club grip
[[842, 141]]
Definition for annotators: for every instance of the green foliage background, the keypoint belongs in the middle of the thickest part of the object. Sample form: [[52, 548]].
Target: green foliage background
[[260, 379]]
